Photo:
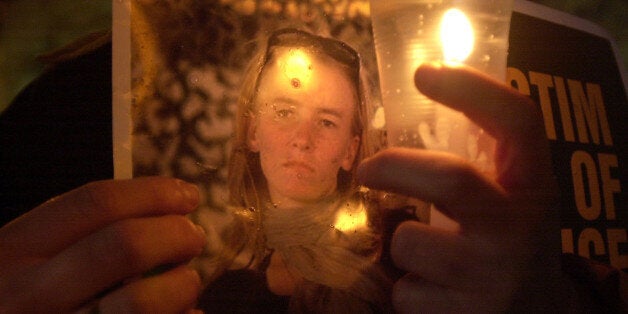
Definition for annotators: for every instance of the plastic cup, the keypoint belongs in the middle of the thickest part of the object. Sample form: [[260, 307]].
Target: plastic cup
[[408, 33]]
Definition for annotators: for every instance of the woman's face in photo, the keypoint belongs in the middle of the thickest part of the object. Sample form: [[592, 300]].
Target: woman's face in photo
[[302, 125]]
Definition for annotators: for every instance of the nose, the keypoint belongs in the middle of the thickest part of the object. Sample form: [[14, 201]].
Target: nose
[[304, 136]]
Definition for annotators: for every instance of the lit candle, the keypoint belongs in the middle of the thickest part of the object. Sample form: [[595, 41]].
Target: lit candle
[[456, 36], [408, 33]]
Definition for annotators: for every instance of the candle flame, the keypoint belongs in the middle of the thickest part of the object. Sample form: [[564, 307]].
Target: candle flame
[[456, 35]]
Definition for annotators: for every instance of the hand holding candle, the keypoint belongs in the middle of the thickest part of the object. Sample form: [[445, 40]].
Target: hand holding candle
[[505, 255], [408, 33]]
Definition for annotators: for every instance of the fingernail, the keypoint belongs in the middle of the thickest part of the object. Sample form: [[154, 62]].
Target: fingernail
[[190, 194], [200, 230]]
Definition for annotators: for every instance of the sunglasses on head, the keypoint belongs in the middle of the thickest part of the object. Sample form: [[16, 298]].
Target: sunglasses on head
[[336, 49]]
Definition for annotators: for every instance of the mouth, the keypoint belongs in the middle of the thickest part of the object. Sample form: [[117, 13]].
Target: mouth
[[298, 166]]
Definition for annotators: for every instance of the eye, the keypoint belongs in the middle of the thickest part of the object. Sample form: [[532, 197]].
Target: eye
[[283, 112], [328, 123]]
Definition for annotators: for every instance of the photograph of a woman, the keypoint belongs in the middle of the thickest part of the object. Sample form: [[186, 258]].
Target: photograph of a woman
[[300, 218]]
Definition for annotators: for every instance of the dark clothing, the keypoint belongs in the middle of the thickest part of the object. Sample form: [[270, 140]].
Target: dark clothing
[[597, 284], [242, 291], [56, 134]]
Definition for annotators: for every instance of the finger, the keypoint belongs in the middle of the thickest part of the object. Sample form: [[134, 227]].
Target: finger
[[438, 256], [123, 250], [522, 155], [63, 220], [450, 183], [172, 292], [497, 108]]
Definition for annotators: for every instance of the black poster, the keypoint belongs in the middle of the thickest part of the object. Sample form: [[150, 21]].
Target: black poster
[[572, 72]]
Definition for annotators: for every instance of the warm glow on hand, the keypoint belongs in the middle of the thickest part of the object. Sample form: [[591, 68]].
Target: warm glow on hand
[[456, 36]]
